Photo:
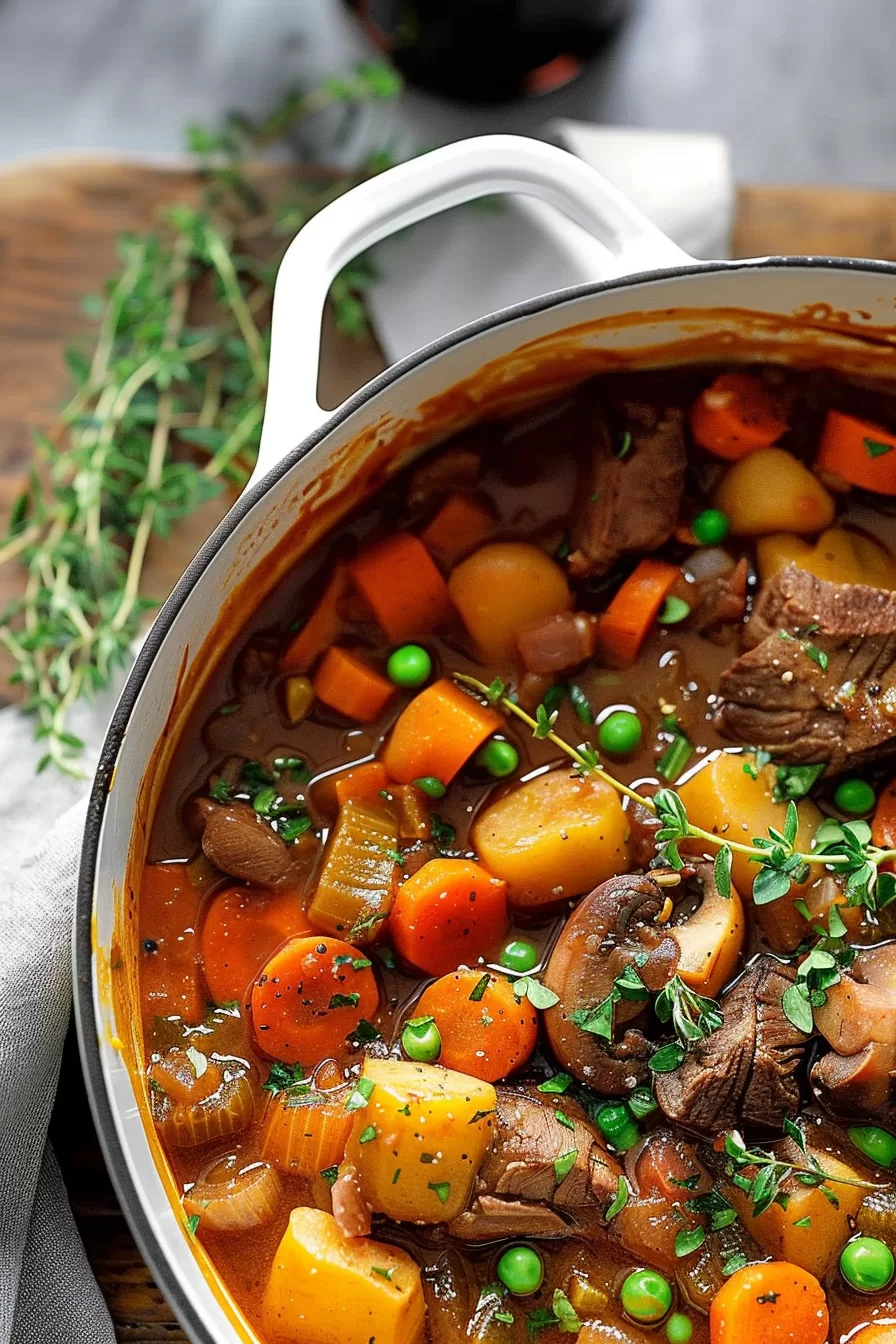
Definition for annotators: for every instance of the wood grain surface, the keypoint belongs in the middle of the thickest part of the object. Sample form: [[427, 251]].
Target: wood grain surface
[[58, 223]]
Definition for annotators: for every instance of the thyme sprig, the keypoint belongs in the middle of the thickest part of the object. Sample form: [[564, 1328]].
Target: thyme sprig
[[762, 1174], [168, 405], [842, 847]]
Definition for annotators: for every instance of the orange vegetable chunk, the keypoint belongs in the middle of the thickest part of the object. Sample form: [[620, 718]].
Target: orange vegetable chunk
[[735, 415], [773, 1303], [400, 583], [322, 627], [310, 996], [486, 1031], [449, 913], [626, 623], [436, 733], [350, 686], [305, 1134], [362, 784], [502, 589], [241, 930], [462, 523], [170, 979], [858, 451]]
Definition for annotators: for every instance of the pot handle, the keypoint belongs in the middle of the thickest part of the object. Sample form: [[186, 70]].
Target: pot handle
[[453, 175]]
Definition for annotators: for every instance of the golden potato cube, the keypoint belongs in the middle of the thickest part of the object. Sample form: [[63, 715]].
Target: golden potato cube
[[419, 1141], [325, 1288]]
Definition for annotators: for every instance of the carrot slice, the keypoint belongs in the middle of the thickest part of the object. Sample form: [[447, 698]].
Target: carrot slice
[[362, 784], [734, 416], [858, 451], [350, 686], [310, 996], [321, 628], [449, 913], [774, 1303], [436, 733], [170, 978], [461, 524], [486, 1031], [241, 930], [400, 583], [624, 625]]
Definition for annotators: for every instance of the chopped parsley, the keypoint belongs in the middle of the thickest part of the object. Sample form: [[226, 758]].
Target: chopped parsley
[[193, 1224], [367, 1135], [360, 1094], [329, 1174], [561, 1082], [441, 1190], [563, 1119], [479, 989], [345, 1000], [285, 1076], [564, 1165], [620, 1199], [876, 448]]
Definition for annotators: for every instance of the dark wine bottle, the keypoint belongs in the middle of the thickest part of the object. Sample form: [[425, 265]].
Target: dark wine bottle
[[489, 51]]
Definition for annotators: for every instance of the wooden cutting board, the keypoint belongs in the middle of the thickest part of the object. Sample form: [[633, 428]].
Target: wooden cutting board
[[58, 222]]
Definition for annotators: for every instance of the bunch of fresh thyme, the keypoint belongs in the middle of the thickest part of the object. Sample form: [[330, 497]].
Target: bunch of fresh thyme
[[168, 406]]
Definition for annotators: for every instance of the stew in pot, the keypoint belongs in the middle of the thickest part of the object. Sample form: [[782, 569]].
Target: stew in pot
[[518, 946]]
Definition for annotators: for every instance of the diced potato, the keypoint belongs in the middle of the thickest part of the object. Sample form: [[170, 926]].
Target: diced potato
[[354, 893], [816, 1245], [431, 1129], [840, 556], [770, 491], [502, 588], [327, 1289], [557, 836], [722, 797]]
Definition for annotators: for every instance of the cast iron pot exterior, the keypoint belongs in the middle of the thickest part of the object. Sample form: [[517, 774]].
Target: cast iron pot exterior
[[651, 276]]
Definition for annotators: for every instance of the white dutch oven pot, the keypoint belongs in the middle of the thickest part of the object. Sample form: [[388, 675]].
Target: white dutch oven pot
[[658, 306]]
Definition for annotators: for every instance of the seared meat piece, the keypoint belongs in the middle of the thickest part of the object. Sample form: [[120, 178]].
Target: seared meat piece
[[558, 642], [630, 503], [517, 1193], [818, 682], [743, 1073], [723, 601], [455, 469]]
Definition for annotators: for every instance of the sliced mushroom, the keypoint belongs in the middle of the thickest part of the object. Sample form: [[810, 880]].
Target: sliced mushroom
[[858, 1020], [241, 844], [518, 1192], [607, 932]]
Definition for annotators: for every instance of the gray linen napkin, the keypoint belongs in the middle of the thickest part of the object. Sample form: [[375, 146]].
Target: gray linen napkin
[[47, 1292]]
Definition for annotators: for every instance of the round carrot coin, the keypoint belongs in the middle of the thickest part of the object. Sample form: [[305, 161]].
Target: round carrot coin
[[242, 929], [310, 996], [486, 1031]]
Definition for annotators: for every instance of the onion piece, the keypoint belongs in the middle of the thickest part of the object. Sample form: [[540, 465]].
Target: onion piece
[[186, 1124], [231, 1195], [709, 562]]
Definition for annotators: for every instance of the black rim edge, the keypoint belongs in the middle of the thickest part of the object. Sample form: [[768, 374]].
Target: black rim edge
[[85, 1015]]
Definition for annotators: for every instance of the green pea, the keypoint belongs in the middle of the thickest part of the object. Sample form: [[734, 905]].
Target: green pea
[[867, 1264], [854, 797], [711, 527], [646, 1296], [521, 1271], [519, 955], [678, 1329], [616, 1124], [877, 1144], [498, 757], [620, 733], [409, 666], [432, 787], [420, 1039]]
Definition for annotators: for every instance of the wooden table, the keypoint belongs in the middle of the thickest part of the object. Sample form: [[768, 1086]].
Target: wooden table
[[58, 223]]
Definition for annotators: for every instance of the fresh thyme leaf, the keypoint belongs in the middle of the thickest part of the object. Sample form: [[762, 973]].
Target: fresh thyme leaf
[[722, 871], [688, 1240], [599, 1021], [560, 1083], [817, 655], [538, 994], [193, 1224], [667, 1059], [795, 781], [642, 1103], [564, 1165], [620, 1199], [876, 448], [567, 1318], [563, 1119], [733, 1262], [693, 1017], [544, 722], [754, 767]]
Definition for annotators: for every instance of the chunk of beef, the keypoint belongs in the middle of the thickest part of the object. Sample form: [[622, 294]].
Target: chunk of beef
[[558, 643], [630, 503], [818, 680], [743, 1074], [455, 469], [517, 1186], [722, 601]]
